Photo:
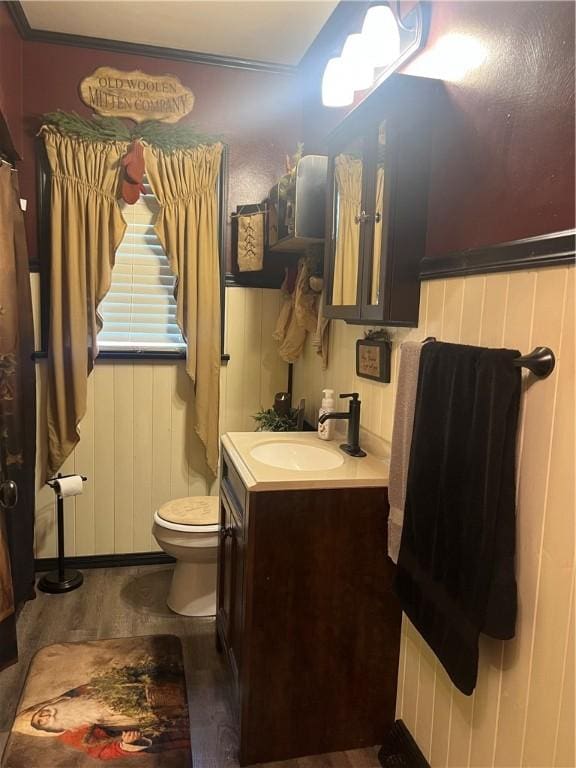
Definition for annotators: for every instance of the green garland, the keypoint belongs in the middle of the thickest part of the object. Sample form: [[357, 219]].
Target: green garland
[[168, 138]]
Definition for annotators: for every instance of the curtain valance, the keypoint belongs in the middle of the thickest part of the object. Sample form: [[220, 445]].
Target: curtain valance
[[87, 228]]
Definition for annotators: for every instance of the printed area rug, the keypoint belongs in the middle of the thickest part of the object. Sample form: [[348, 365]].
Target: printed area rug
[[122, 702]]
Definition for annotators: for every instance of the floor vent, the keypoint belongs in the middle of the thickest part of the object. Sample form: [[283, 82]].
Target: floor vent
[[399, 749]]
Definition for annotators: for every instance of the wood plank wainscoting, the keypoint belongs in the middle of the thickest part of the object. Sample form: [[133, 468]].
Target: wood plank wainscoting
[[138, 446], [522, 712]]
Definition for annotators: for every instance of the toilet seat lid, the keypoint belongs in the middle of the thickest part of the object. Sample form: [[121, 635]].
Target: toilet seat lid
[[193, 510]]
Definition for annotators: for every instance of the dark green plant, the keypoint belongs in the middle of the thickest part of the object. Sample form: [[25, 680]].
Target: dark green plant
[[377, 334], [269, 421], [166, 137]]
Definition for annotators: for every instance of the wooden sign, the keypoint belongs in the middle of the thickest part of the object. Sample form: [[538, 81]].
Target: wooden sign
[[135, 95]]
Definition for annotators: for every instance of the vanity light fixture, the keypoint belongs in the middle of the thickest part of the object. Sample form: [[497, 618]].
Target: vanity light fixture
[[387, 40], [454, 56], [337, 88], [357, 63], [381, 36]]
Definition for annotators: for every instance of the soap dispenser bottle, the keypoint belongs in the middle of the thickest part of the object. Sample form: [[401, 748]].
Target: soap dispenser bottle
[[326, 430]]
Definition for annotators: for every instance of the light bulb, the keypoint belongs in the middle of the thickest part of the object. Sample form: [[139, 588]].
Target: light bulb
[[359, 66], [337, 90], [380, 36], [453, 57]]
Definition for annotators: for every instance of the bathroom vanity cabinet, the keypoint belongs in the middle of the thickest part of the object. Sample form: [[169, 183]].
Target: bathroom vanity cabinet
[[377, 205], [306, 617]]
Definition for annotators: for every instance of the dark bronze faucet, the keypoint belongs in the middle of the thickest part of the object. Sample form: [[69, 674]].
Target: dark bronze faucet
[[352, 447]]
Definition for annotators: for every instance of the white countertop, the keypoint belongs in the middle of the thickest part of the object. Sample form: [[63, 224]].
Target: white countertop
[[366, 472]]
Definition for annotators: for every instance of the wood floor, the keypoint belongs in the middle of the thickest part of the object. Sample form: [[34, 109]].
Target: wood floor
[[122, 602]]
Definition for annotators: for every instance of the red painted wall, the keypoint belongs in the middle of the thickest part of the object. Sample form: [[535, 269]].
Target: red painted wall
[[11, 77], [503, 147], [258, 114]]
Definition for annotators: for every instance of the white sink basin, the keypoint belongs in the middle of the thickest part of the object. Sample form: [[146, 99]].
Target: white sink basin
[[299, 456]]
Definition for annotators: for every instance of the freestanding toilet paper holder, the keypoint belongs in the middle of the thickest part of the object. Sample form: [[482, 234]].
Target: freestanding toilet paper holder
[[63, 579]]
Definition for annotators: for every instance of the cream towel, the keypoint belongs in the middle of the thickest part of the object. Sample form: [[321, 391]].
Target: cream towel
[[297, 317], [321, 336], [251, 242], [283, 320], [402, 441], [302, 313], [305, 307]]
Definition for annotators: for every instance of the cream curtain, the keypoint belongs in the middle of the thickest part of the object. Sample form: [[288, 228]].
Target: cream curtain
[[348, 173], [184, 182], [377, 249], [297, 316], [87, 228]]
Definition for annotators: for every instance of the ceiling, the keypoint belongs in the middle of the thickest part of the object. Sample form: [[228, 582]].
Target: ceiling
[[263, 30]]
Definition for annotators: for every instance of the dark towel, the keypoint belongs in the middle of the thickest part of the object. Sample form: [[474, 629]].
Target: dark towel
[[455, 575]]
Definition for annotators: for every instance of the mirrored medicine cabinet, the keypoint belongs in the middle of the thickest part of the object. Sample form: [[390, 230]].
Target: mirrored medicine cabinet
[[377, 205]]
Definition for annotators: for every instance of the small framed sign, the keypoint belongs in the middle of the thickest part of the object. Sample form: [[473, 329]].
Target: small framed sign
[[373, 359]]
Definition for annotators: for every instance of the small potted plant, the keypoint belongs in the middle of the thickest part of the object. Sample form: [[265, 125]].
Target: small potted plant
[[269, 421], [282, 417]]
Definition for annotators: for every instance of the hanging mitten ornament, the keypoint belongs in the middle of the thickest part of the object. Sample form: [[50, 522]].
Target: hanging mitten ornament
[[133, 165]]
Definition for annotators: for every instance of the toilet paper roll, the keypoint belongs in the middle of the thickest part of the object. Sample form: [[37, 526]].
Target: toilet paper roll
[[69, 486]]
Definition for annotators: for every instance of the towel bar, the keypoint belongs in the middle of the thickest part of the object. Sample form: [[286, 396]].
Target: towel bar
[[540, 361]]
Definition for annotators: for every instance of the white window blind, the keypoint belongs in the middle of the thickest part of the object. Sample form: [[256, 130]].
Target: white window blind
[[139, 311]]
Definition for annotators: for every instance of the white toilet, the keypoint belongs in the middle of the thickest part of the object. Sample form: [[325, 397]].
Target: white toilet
[[188, 529]]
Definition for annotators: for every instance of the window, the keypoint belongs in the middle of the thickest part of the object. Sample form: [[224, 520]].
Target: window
[[140, 263], [139, 311]]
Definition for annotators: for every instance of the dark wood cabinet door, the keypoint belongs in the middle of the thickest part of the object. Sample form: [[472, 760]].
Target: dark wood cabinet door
[[322, 625], [237, 564], [231, 582], [225, 594]]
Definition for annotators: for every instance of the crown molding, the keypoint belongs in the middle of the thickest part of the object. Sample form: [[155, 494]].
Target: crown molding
[[137, 49], [19, 18]]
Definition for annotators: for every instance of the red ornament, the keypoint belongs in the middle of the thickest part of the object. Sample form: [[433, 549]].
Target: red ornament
[[133, 165]]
